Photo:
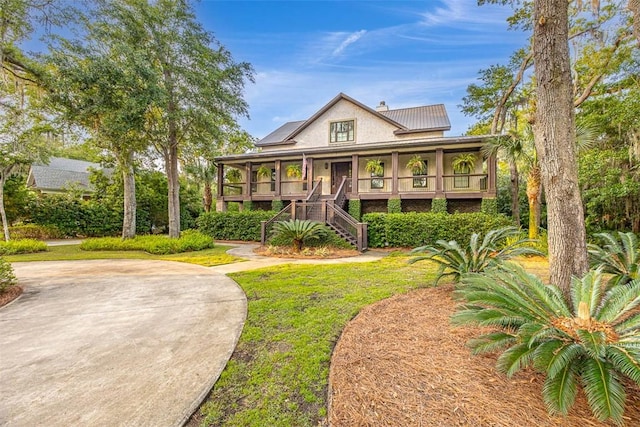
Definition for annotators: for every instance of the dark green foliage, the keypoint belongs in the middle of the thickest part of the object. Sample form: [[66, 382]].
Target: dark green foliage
[[619, 256], [394, 205], [592, 339], [61, 212], [277, 205], [7, 278], [439, 206], [17, 198], [476, 257], [297, 232], [34, 231], [247, 205], [489, 206], [355, 208], [22, 246], [329, 239], [243, 225], [189, 240], [416, 229]]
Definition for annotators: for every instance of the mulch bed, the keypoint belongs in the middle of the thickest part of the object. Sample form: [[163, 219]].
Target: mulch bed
[[9, 295], [330, 253], [401, 363]]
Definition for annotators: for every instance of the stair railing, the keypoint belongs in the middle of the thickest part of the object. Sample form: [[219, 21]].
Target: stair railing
[[284, 215], [347, 224]]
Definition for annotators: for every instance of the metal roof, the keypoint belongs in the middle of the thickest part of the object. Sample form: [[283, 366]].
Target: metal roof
[[281, 133], [61, 173], [418, 118]]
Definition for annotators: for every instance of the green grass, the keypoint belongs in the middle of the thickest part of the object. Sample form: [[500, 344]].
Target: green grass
[[207, 257], [278, 375]]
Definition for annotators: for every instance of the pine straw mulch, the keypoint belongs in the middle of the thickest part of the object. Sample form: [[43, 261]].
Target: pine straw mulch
[[10, 294], [401, 363]]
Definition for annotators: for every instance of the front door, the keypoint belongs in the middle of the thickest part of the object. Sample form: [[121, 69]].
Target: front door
[[338, 170]]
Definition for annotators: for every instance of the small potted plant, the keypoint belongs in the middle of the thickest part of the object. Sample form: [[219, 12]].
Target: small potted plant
[[264, 171], [416, 165], [374, 167], [294, 171], [234, 175], [464, 163]]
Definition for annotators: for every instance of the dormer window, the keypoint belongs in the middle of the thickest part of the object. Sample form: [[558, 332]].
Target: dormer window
[[342, 131]]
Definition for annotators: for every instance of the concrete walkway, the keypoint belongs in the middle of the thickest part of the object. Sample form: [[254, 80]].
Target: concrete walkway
[[114, 342]]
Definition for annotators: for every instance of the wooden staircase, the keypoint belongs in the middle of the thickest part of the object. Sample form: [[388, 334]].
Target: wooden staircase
[[330, 211]]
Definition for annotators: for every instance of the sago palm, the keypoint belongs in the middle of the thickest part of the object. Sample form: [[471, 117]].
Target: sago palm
[[592, 340], [298, 232], [618, 256], [477, 256]]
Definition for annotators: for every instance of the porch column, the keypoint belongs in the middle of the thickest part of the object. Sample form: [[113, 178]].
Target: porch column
[[309, 174], [247, 183], [277, 167], [220, 178], [394, 172], [492, 170], [439, 171], [354, 174]]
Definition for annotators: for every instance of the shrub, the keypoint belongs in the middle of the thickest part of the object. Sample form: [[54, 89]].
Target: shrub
[[489, 206], [355, 208], [247, 205], [243, 225], [22, 246], [35, 231], [439, 205], [620, 256], [277, 205], [540, 244], [592, 339], [394, 205], [329, 239], [190, 240], [7, 278], [476, 257], [417, 229], [297, 232]]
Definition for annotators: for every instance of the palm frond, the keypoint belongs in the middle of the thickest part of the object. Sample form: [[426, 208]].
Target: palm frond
[[626, 361], [604, 392], [491, 342], [559, 392], [553, 357], [619, 301], [515, 358]]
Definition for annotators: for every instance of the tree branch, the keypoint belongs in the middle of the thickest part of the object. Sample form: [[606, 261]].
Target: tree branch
[[499, 113]]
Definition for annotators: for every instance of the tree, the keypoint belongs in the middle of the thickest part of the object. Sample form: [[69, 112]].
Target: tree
[[554, 135], [198, 85], [102, 84]]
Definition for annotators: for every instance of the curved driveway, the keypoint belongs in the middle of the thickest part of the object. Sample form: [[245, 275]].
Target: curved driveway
[[114, 342]]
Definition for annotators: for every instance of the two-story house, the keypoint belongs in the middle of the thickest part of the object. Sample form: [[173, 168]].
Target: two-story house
[[349, 151]]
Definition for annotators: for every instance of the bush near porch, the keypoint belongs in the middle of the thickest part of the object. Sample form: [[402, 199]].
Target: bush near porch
[[416, 229], [243, 225]]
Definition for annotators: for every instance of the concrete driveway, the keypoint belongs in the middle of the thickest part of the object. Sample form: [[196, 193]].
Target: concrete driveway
[[114, 342]]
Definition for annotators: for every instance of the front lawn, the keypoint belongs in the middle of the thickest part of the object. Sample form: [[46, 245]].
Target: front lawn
[[207, 257], [278, 374]]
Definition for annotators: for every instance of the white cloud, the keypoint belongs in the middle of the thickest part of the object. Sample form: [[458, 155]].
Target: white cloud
[[352, 38], [465, 11]]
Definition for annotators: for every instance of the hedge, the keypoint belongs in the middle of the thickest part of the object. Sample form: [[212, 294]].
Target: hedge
[[489, 206], [394, 205], [243, 225], [355, 208], [439, 206], [417, 229]]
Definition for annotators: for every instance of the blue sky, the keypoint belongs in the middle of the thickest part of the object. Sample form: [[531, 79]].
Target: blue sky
[[407, 53]]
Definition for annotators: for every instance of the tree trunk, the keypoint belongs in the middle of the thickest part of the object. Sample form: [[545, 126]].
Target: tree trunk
[[129, 183], [554, 132], [634, 7], [3, 214], [174, 189], [515, 191], [534, 191], [207, 196]]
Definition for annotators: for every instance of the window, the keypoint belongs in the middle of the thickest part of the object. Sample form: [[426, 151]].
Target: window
[[461, 181], [422, 181], [377, 180], [342, 131]]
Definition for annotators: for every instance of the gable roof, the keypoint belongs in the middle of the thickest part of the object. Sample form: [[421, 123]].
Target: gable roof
[[407, 120], [60, 173]]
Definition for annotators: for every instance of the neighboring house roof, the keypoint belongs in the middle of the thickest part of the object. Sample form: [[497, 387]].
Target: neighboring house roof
[[407, 120], [61, 174]]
